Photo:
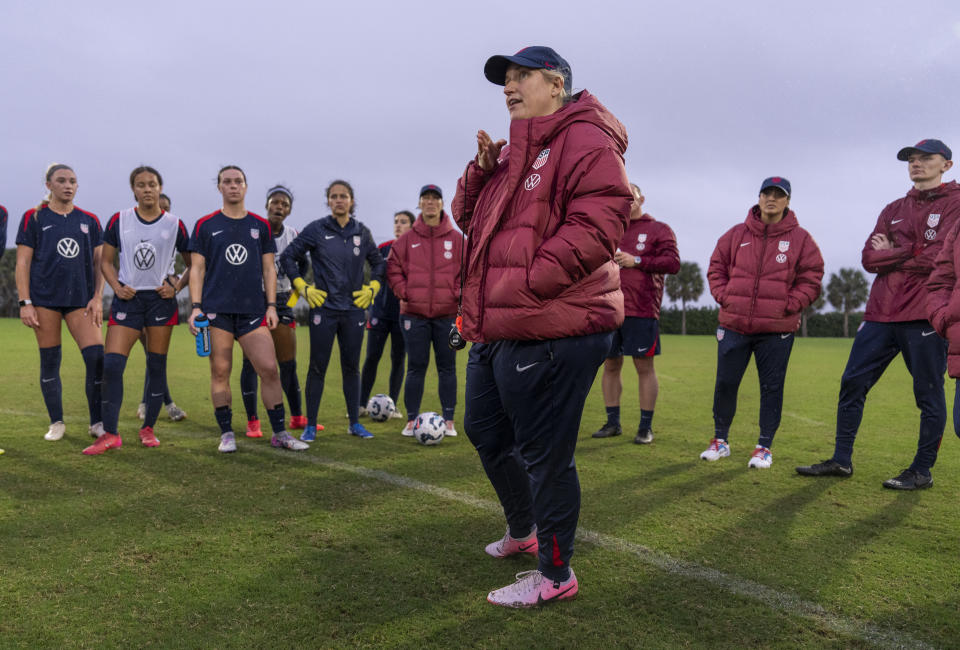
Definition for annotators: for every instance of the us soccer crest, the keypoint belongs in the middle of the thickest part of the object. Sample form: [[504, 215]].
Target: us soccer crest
[[121, 315], [211, 317], [316, 319], [85, 229], [784, 246], [406, 325], [933, 220], [720, 333], [541, 159], [255, 233], [642, 237], [447, 245], [356, 240]]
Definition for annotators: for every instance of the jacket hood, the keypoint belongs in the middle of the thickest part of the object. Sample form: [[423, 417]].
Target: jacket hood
[[584, 107], [757, 227], [929, 195], [445, 226]]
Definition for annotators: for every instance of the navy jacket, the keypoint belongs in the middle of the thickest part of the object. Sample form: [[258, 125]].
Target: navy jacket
[[3, 230], [385, 306], [337, 256]]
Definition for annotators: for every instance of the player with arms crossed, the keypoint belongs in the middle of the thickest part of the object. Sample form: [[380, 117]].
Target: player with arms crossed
[[58, 278], [233, 281]]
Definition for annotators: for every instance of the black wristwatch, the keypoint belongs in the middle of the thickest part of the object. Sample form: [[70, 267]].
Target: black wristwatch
[[24, 303], [272, 304], [196, 305]]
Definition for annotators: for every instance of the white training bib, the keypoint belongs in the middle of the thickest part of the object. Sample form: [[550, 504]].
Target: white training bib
[[147, 250]]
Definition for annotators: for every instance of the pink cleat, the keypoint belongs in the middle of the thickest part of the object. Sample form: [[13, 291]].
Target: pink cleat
[[533, 589], [511, 546], [253, 429], [103, 443], [298, 422], [147, 437]]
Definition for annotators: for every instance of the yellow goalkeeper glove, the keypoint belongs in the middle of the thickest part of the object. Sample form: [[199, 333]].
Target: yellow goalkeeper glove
[[315, 297], [366, 294]]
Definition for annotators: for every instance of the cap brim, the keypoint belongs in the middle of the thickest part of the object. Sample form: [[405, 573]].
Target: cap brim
[[904, 153], [495, 69]]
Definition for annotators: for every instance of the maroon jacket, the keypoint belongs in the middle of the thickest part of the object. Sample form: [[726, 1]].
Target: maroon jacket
[[424, 269], [943, 298], [764, 275], [655, 244], [917, 225], [542, 228]]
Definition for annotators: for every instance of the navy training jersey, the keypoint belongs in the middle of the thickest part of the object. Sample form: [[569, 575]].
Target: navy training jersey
[[233, 250], [3, 230], [337, 256], [385, 306], [61, 272], [147, 248]]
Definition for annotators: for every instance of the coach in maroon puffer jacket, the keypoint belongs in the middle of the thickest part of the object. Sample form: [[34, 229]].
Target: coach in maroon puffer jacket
[[764, 275], [543, 232], [424, 268]]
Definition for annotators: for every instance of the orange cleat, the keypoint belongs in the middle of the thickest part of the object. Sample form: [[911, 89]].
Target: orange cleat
[[297, 422], [103, 443], [253, 429]]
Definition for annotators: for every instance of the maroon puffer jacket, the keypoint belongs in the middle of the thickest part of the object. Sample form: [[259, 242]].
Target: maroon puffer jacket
[[655, 244], [764, 275], [917, 225], [943, 298], [542, 228], [424, 269]]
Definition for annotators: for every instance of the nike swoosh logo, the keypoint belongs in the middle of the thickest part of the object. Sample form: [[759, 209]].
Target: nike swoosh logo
[[156, 394], [527, 367], [51, 379], [555, 596], [255, 321], [159, 318], [414, 245], [895, 221], [46, 227], [926, 333], [360, 324], [745, 244], [643, 349], [784, 336], [526, 548], [216, 232], [329, 236]]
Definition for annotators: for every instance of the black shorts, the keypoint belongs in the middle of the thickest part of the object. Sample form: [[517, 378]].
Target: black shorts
[[637, 337], [284, 313], [145, 309], [237, 324], [63, 310]]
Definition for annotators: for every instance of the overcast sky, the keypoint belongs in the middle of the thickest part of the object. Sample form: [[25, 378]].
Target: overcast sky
[[715, 97]]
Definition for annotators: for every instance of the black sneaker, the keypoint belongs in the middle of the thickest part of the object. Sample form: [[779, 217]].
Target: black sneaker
[[909, 480], [826, 468], [643, 437], [608, 430]]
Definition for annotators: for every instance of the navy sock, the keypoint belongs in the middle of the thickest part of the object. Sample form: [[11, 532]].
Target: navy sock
[[50, 386], [276, 418], [291, 385], [157, 373], [613, 415], [93, 360], [448, 413], [224, 415], [248, 389], [646, 419], [146, 385], [113, 366]]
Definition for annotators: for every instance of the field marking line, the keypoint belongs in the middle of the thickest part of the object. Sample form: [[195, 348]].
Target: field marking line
[[782, 601], [803, 419]]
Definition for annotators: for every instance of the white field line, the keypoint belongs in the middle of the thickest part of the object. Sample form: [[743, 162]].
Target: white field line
[[803, 419], [777, 600]]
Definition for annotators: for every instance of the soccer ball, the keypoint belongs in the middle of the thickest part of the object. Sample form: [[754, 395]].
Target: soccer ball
[[428, 428], [380, 407]]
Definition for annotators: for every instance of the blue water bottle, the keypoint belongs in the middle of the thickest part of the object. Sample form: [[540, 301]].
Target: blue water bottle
[[203, 335]]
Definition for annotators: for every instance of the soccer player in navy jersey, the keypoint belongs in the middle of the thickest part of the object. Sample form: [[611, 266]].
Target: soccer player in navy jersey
[[338, 246], [279, 205], [147, 240], [173, 411], [58, 279], [233, 281], [385, 321]]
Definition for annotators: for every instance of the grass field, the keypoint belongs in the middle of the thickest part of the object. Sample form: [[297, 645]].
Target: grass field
[[380, 543]]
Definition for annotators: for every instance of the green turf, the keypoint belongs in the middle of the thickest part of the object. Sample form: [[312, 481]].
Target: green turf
[[180, 546]]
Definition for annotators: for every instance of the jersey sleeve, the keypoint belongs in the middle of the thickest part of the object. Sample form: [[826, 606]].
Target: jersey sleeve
[[29, 232], [96, 231], [111, 235], [197, 240], [267, 243], [183, 239]]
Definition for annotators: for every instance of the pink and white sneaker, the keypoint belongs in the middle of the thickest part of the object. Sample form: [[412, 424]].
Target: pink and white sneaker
[[533, 589], [511, 546]]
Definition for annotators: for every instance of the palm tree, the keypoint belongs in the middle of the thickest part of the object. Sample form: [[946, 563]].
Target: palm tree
[[846, 291], [811, 309], [686, 285]]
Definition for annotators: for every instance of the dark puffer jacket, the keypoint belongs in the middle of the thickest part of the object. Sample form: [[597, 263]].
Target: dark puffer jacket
[[764, 275], [542, 227]]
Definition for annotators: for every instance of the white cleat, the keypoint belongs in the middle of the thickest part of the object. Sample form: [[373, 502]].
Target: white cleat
[[408, 430], [228, 443], [96, 430], [142, 411], [450, 432], [396, 415], [761, 458], [285, 441], [175, 412], [56, 431], [718, 449]]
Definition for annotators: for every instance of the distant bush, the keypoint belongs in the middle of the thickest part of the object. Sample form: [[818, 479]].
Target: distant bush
[[704, 320]]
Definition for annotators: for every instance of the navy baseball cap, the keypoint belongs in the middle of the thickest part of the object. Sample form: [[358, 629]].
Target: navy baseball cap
[[431, 188], [926, 146], [776, 181], [535, 56]]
